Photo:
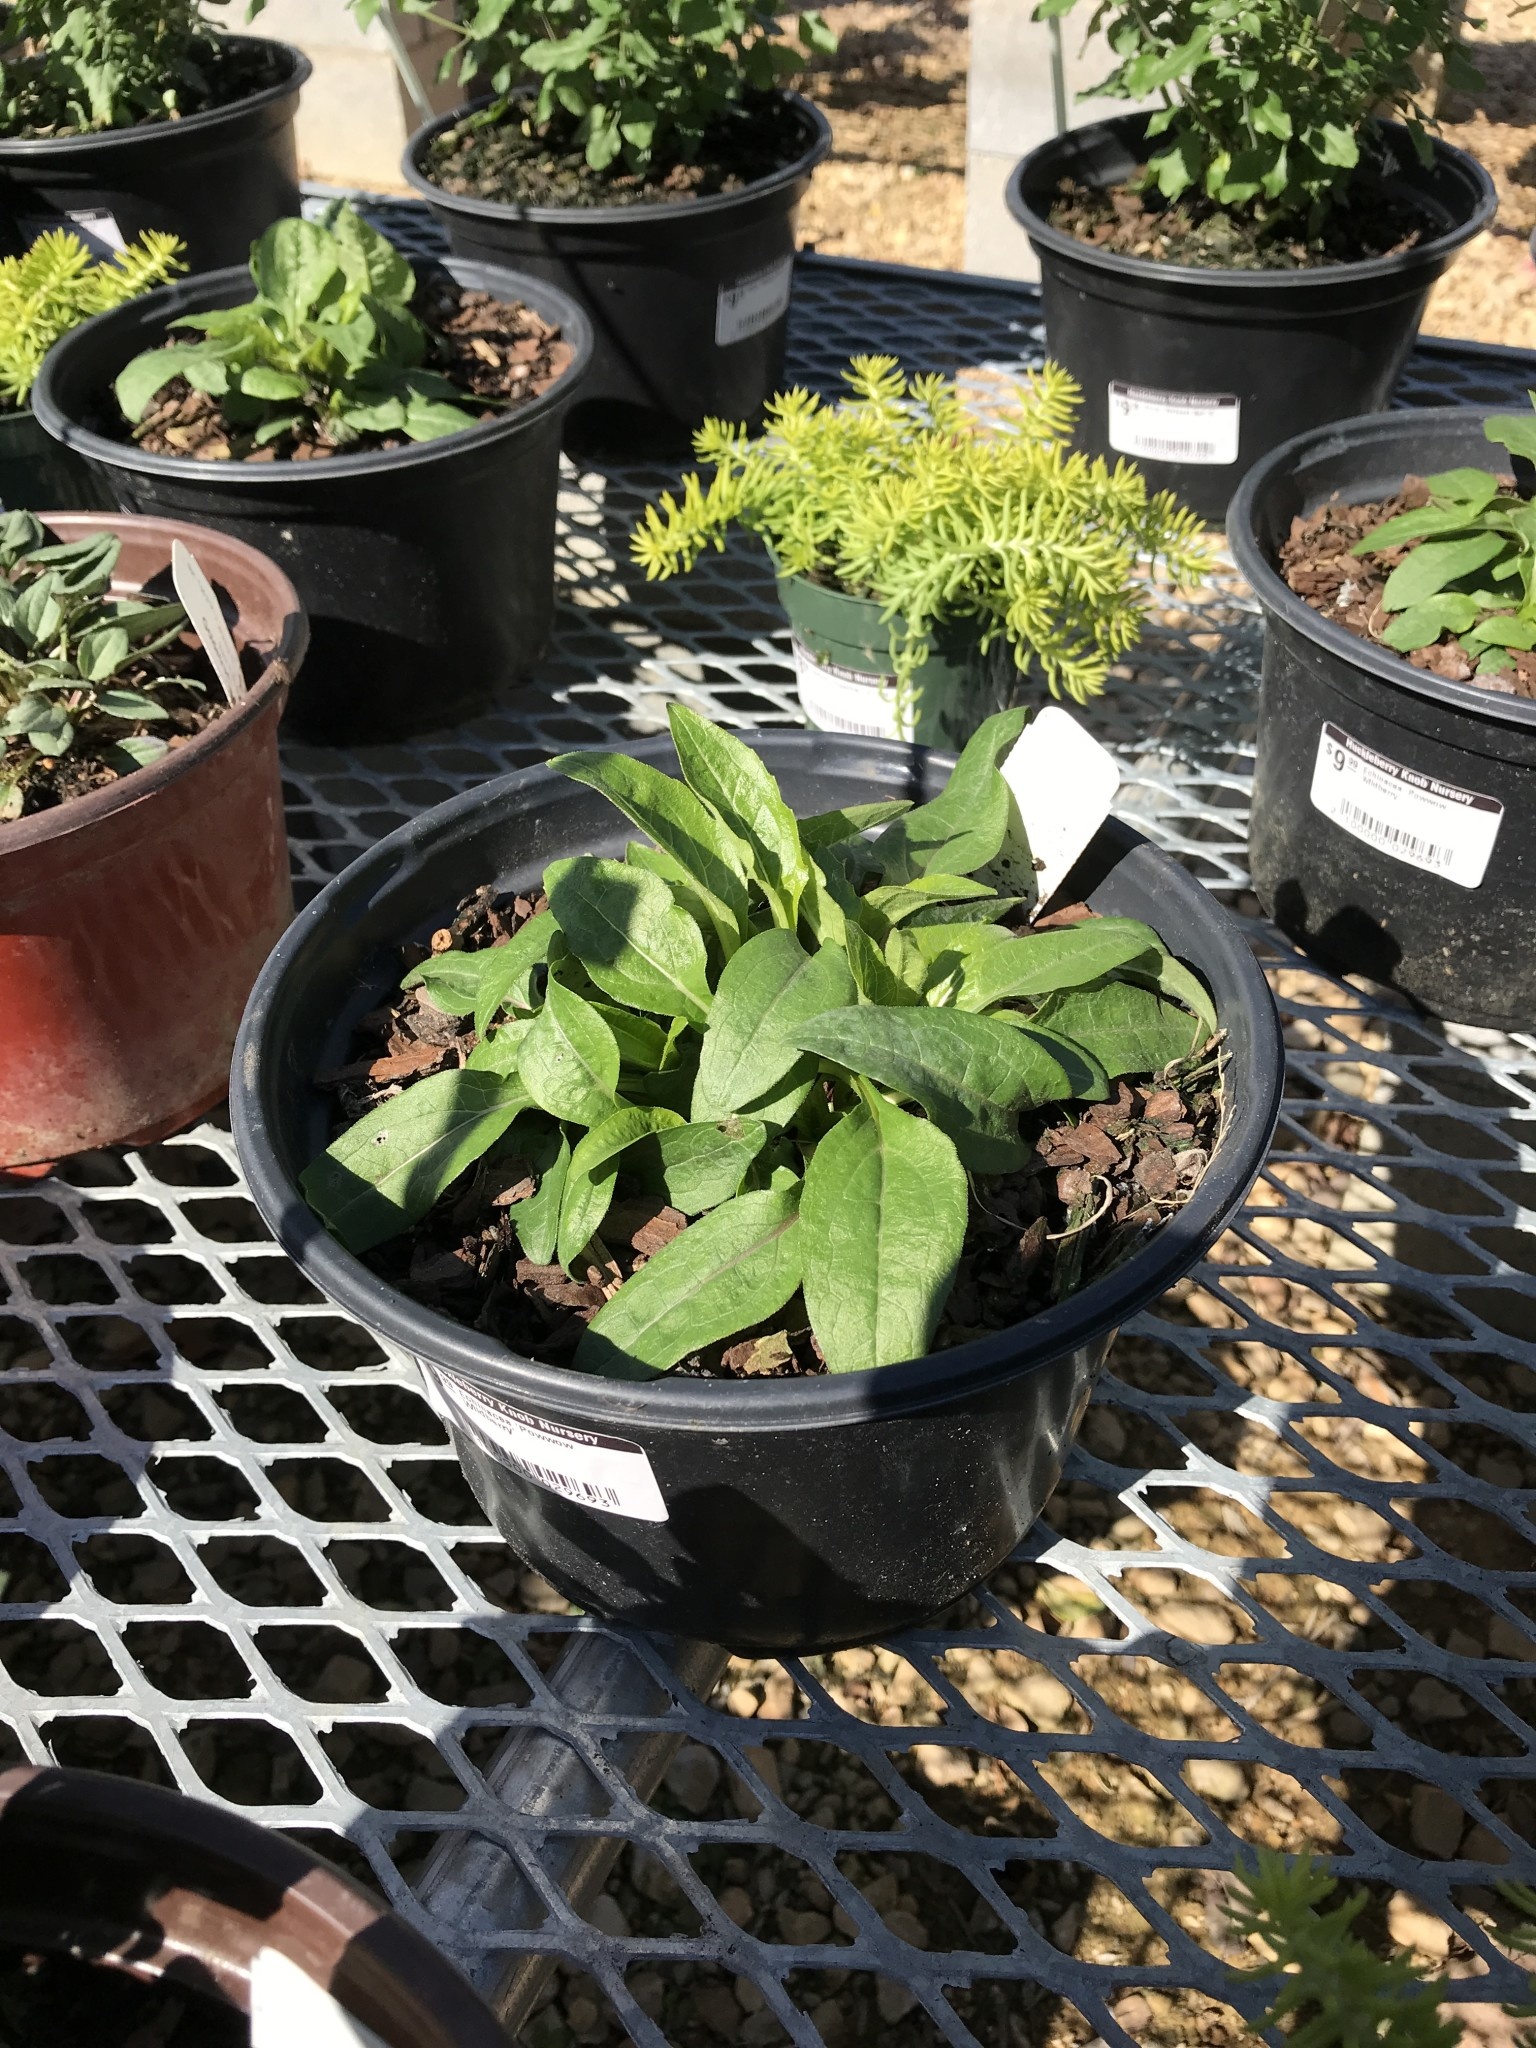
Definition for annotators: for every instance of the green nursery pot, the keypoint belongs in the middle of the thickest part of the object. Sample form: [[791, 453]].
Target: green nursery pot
[[40, 474], [842, 650]]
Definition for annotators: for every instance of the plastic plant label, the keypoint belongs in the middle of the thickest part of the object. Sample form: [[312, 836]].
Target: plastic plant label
[[289, 2008], [1174, 426], [95, 226], [836, 699], [753, 302], [202, 608], [594, 1471], [1063, 783], [1410, 817]]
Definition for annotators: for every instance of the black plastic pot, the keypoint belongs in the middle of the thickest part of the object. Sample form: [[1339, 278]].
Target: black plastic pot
[[1198, 374], [35, 471], [689, 300], [1437, 776], [799, 1514], [216, 179], [427, 571]]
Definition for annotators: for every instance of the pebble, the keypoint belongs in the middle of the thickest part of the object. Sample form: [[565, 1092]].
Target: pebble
[[608, 1916], [649, 1993], [941, 1765], [741, 1701], [828, 2020], [1067, 1926], [759, 2029], [894, 2001], [581, 2015], [1411, 1927], [908, 1928], [716, 2006], [736, 1904], [1197, 1621], [692, 1776], [803, 1929], [1214, 1778], [748, 1997], [1044, 1699], [1435, 1821], [1432, 1701], [651, 1877], [1133, 2013]]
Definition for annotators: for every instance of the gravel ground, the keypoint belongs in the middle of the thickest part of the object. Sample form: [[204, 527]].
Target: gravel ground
[[1489, 293]]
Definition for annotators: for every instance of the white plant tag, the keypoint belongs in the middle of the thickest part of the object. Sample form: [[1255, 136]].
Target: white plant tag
[[836, 699], [290, 2010], [1409, 816], [594, 1471], [95, 226], [1174, 426], [1063, 783], [753, 302], [208, 622]]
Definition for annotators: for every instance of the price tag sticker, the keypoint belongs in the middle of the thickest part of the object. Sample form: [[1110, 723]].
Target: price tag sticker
[[95, 226], [605, 1472], [1174, 426], [1427, 824], [753, 302], [836, 699], [1062, 783]]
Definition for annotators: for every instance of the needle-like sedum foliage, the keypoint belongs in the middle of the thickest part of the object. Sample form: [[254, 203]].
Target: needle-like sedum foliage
[[56, 284], [904, 493]]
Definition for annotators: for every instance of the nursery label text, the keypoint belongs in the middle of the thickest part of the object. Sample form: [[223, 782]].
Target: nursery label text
[[1410, 816], [594, 1471], [1174, 426], [836, 699], [752, 303]]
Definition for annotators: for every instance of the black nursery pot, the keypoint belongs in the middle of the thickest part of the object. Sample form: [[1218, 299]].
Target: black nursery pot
[[797, 1514], [1198, 374], [216, 179], [688, 299], [1394, 830], [427, 571]]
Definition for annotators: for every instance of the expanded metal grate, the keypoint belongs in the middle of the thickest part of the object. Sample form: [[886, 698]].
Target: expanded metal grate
[[1286, 1593]]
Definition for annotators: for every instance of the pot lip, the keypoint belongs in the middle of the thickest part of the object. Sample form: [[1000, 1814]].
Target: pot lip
[[1189, 277], [192, 294], [912, 1385], [36, 149], [1277, 597], [80, 813], [648, 213]]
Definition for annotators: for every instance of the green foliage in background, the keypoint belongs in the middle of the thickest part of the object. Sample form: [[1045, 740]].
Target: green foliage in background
[[56, 284], [77, 65], [906, 494]]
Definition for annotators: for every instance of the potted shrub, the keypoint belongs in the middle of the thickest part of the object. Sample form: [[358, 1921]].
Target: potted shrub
[[760, 1200], [1394, 559], [1253, 257], [646, 159], [393, 441], [130, 1914], [130, 115], [934, 562], [143, 863], [44, 292]]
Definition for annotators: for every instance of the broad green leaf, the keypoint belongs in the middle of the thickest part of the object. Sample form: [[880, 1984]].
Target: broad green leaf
[[499, 1049], [641, 1043], [702, 1164], [722, 1274], [129, 704], [1514, 431], [1472, 489], [735, 783], [1426, 522], [888, 906], [1084, 1074], [536, 1218], [1422, 624], [883, 1217], [983, 910], [876, 980], [452, 979], [829, 828], [1503, 631], [589, 1181], [634, 942], [686, 893], [147, 376], [764, 994], [101, 653], [261, 381], [965, 941], [1435, 563], [507, 971], [1172, 978], [385, 1172], [1130, 1030], [965, 825], [1039, 963], [569, 1059], [293, 265]]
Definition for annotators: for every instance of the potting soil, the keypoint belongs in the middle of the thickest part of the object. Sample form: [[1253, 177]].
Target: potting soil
[[1201, 235]]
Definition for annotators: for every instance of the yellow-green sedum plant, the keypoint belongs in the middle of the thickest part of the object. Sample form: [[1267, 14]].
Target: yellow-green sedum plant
[[56, 284], [904, 493]]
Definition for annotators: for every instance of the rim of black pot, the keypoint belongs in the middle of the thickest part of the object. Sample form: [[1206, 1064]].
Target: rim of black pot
[[299, 70], [200, 293], [1277, 596], [1060, 243], [647, 212], [842, 1397]]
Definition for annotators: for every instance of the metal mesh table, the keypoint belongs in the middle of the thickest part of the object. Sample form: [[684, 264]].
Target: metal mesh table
[[1286, 1592]]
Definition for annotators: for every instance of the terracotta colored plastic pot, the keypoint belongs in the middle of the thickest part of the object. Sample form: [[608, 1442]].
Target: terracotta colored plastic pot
[[133, 920], [149, 1882]]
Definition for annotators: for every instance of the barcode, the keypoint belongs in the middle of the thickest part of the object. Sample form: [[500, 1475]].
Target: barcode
[[1394, 836], [586, 1490], [832, 722], [1177, 450]]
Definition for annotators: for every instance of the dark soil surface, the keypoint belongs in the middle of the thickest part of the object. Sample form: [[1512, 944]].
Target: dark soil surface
[[50, 2001], [1200, 235], [1316, 562], [221, 72], [1100, 1180], [504, 354], [519, 166]]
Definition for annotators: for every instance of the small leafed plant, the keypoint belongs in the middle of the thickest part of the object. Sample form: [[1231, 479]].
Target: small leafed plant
[[56, 284], [811, 1037], [329, 342], [77, 665], [76, 65], [903, 493], [631, 82], [1270, 105]]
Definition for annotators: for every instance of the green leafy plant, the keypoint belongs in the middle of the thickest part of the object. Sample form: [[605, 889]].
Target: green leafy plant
[[630, 82], [329, 341], [56, 284], [811, 1038], [1270, 105], [71, 67], [1470, 569], [905, 494], [77, 665]]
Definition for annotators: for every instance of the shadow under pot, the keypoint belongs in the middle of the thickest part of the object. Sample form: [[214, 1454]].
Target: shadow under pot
[[688, 298], [36, 470], [1394, 830], [800, 1513], [133, 919], [1196, 374], [427, 570], [217, 179], [130, 1913]]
